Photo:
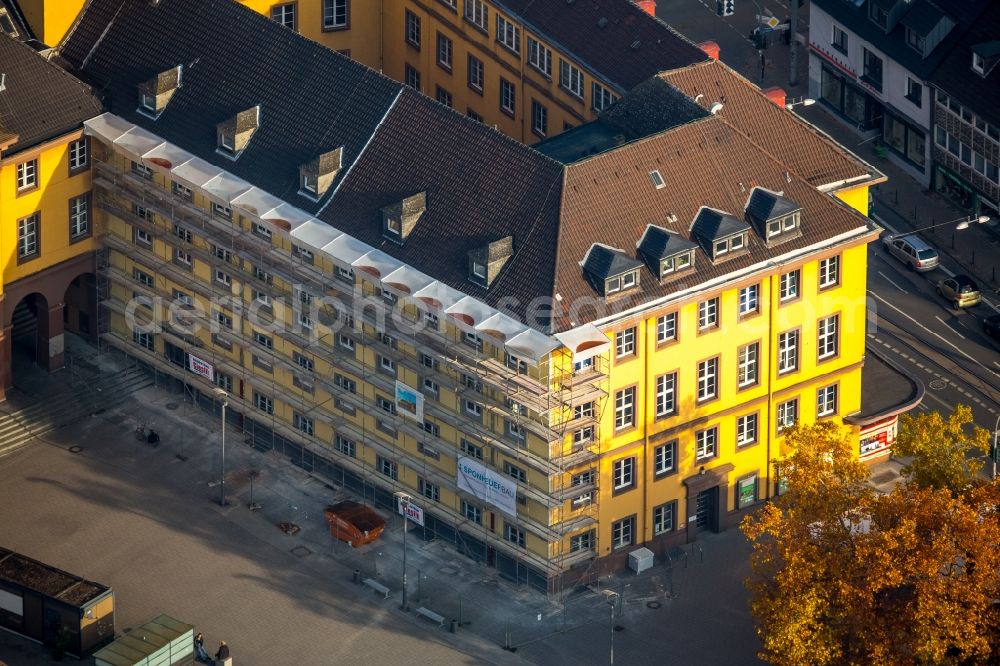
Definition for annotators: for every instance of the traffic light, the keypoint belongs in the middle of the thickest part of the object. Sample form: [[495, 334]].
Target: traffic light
[[725, 7]]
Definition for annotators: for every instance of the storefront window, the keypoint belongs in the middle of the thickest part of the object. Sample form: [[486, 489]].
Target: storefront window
[[915, 147], [904, 139], [950, 186], [832, 89]]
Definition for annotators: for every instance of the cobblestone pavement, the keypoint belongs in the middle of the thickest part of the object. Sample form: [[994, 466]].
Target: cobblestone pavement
[[87, 497]]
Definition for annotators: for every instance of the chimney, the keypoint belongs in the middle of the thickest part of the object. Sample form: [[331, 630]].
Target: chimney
[[711, 49], [648, 6], [316, 177], [776, 94]]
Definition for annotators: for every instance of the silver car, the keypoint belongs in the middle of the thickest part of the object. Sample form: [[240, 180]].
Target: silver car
[[912, 251]]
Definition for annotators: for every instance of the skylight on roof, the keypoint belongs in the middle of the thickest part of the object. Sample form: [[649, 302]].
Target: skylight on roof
[[657, 179]]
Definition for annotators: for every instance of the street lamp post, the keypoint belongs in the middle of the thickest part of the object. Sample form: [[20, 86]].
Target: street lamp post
[[224, 397], [404, 503], [612, 602], [963, 224], [996, 447]]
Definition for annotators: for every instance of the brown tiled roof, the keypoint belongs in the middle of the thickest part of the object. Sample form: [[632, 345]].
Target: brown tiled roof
[[806, 150], [630, 48], [610, 199], [41, 101]]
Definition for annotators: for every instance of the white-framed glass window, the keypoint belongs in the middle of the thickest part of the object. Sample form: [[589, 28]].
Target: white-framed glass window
[[540, 57], [622, 532], [829, 272], [473, 408], [284, 14], [223, 277], [583, 435], [472, 512], [788, 351], [665, 458], [582, 541], [789, 285], [142, 277], [79, 216], [28, 229], [346, 446], [508, 98], [625, 408], [345, 342], [181, 257], [263, 402], [262, 297], [263, 340], [746, 429], [141, 237], [749, 299], [666, 394], [445, 51], [514, 534], [748, 361], [303, 424], [708, 378], [27, 174], [387, 467], [665, 517], [788, 414], [570, 78], [385, 404], [584, 365], [261, 230], [600, 97], [827, 338], [515, 472], [708, 313], [477, 13], [826, 401], [336, 14], [182, 233], [539, 118], [78, 158], [839, 39], [141, 170], [706, 443], [625, 342], [412, 29], [471, 450], [508, 34], [624, 473], [666, 327]]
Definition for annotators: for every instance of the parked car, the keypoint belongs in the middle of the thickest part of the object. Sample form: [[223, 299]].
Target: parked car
[[961, 290], [912, 251], [992, 326]]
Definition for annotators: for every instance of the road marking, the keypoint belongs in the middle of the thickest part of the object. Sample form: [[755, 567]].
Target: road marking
[[920, 365], [890, 281], [934, 397], [949, 327], [996, 364], [939, 337]]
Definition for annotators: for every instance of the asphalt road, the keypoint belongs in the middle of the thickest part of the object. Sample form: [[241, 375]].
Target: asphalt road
[[946, 348]]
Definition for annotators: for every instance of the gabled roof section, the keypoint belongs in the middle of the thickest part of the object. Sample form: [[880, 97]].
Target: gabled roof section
[[791, 140], [627, 47], [955, 75], [312, 99], [658, 243], [40, 100], [764, 205]]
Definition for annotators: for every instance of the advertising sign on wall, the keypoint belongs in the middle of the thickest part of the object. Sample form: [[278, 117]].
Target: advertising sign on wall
[[409, 402], [200, 367], [490, 487]]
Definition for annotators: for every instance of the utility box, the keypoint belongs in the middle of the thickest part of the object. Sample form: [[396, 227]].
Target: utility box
[[641, 559]]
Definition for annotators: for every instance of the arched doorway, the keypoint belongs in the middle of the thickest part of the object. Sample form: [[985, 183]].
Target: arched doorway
[[26, 331]]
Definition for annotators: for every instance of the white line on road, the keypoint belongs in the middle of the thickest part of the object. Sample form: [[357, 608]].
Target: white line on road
[[949, 327], [939, 337], [945, 404], [890, 281]]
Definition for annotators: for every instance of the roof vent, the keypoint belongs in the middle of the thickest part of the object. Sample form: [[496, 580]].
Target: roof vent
[[602, 22], [316, 177], [234, 134], [485, 263], [155, 94], [399, 219], [635, 45]]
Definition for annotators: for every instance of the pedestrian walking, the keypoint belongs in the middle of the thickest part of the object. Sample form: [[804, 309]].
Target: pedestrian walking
[[199, 648], [223, 652]]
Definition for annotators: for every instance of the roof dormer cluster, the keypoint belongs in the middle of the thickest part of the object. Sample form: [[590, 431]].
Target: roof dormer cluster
[[668, 254]]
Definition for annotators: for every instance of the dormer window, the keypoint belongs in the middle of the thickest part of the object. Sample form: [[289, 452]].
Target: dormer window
[[978, 64], [782, 225], [485, 263], [878, 15], [309, 183], [776, 218], [721, 247], [233, 135], [675, 264], [609, 270], [479, 270], [915, 40], [399, 219], [316, 177], [665, 252], [155, 94], [719, 233]]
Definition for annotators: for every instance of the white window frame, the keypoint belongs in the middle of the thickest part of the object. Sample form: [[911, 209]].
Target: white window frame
[[706, 443], [748, 363], [788, 351], [749, 299], [666, 394], [78, 154], [828, 337], [747, 427], [624, 473], [284, 13], [477, 13], [625, 408], [829, 272], [708, 379], [789, 285], [826, 401], [665, 458], [625, 342], [336, 14], [27, 174], [263, 402], [787, 414], [27, 236], [570, 78], [623, 533], [79, 216], [708, 314], [304, 424], [540, 57], [508, 34], [666, 327], [600, 97]]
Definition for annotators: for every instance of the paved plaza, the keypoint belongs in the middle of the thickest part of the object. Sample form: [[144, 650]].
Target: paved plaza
[[87, 497]]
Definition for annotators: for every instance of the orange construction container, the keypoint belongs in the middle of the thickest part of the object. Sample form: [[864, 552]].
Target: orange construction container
[[354, 523]]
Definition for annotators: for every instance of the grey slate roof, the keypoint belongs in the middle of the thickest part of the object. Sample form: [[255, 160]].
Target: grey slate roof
[[854, 16], [764, 205], [658, 243], [312, 99], [631, 46], [711, 225], [41, 101], [604, 262]]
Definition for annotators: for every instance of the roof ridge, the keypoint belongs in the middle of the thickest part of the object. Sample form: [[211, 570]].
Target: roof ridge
[[48, 63]]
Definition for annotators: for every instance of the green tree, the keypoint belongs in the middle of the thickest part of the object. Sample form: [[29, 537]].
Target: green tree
[[943, 450], [844, 575]]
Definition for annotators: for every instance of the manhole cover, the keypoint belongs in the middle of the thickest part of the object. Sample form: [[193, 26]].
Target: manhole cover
[[653, 604], [172, 406], [301, 551], [75, 449], [937, 384]]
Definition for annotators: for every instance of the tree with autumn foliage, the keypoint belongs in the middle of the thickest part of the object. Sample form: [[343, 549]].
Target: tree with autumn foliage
[[845, 575], [943, 450]]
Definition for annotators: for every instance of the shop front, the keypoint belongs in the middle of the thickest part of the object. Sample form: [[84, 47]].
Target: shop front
[[839, 93]]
